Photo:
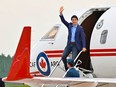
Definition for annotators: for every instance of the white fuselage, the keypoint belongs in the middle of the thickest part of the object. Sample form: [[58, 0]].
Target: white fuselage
[[99, 26], [104, 63]]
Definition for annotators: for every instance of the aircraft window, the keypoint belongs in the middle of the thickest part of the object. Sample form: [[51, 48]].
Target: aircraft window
[[51, 34], [103, 36]]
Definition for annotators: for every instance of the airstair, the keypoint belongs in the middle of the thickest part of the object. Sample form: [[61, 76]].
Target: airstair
[[81, 71]]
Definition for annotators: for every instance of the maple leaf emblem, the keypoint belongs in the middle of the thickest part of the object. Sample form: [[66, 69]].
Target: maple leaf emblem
[[42, 63]]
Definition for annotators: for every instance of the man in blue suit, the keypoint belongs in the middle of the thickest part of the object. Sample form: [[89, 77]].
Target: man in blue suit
[[76, 37]]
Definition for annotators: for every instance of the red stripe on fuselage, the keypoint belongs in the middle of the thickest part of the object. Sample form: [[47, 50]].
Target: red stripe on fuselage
[[93, 52], [103, 50], [103, 54], [54, 51], [36, 74], [52, 56]]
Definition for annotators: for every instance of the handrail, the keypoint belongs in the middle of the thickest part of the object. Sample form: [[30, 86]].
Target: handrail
[[53, 70], [74, 62]]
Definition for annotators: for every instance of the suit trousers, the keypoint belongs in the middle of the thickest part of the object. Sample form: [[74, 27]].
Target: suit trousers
[[68, 49]]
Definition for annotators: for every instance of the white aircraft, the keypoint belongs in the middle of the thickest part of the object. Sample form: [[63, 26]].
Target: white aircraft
[[97, 65]]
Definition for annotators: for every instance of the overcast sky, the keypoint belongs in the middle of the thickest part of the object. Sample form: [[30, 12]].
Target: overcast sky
[[41, 15]]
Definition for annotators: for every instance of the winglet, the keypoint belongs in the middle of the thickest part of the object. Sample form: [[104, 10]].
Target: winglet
[[20, 67]]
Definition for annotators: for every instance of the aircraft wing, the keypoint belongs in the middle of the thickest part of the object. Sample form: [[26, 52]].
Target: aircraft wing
[[92, 82], [52, 80]]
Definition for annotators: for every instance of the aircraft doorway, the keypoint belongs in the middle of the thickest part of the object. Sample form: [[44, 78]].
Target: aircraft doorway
[[88, 21]]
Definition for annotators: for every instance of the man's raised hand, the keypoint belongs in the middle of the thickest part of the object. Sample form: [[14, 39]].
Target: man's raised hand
[[61, 10]]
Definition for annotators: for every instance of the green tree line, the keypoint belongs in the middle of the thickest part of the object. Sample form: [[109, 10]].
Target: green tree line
[[5, 62]]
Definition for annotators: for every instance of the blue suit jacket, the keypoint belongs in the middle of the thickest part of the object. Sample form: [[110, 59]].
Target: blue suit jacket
[[79, 35], [72, 72]]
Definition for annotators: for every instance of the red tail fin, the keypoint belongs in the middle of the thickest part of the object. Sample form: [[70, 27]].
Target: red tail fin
[[20, 66]]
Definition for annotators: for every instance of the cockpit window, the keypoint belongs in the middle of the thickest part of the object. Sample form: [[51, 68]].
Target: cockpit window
[[51, 34], [103, 36]]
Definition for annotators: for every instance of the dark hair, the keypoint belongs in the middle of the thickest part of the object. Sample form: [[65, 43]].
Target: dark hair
[[71, 64], [74, 16]]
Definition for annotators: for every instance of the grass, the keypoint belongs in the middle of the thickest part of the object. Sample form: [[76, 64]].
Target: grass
[[15, 85]]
